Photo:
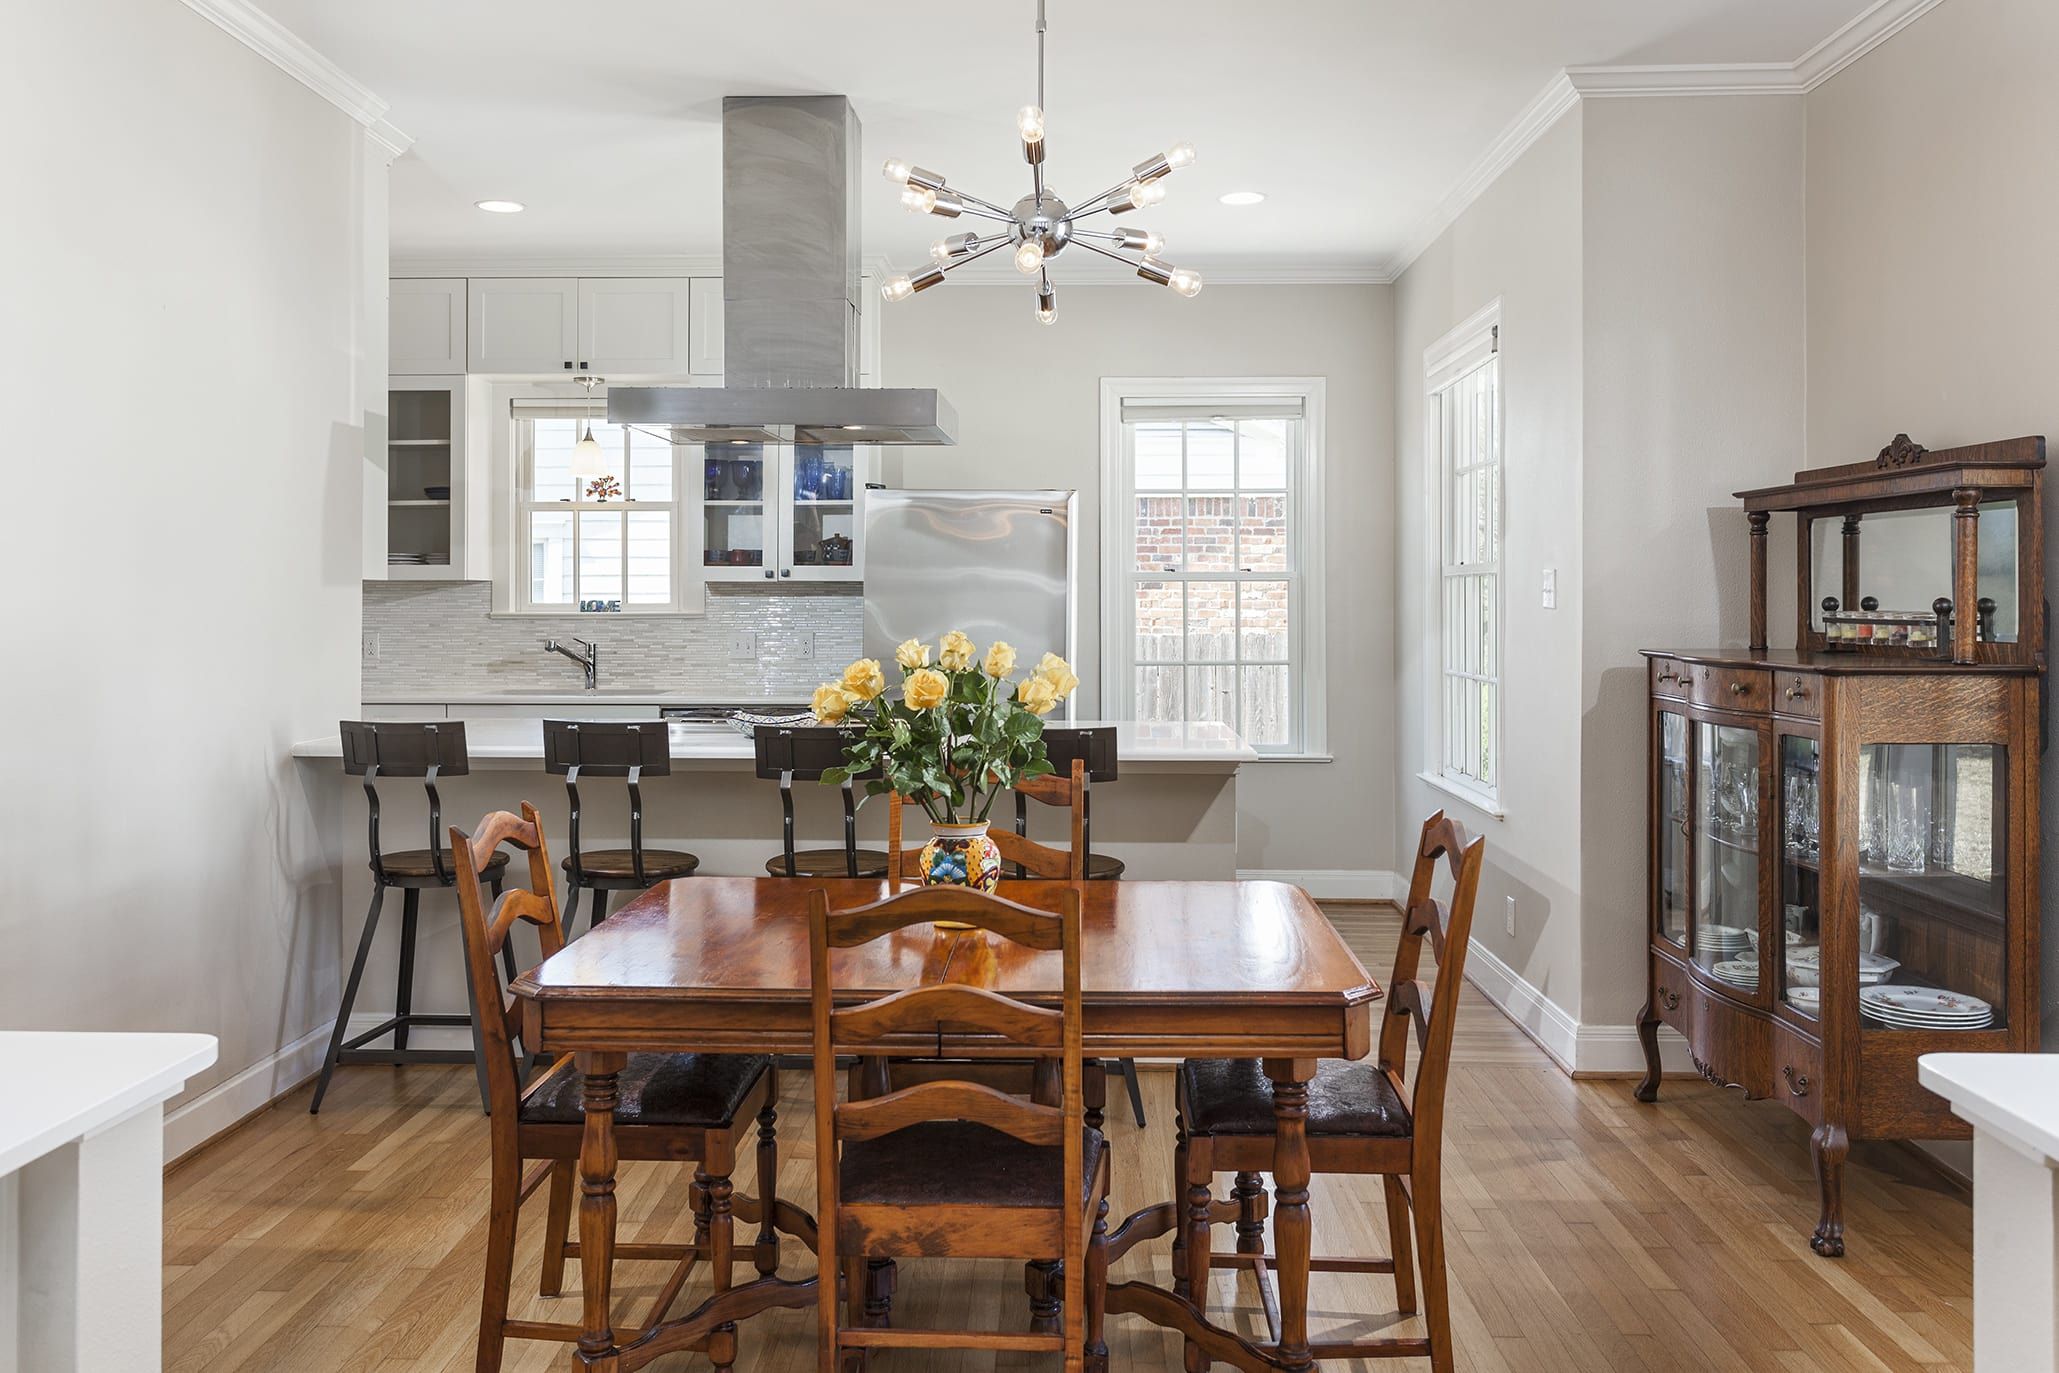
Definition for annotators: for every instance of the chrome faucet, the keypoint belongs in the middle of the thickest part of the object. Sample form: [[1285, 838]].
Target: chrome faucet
[[589, 662]]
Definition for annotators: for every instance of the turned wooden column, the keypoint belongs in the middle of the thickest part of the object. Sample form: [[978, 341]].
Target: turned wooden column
[[597, 1164], [1851, 563], [1965, 573], [1759, 519], [1291, 1221]]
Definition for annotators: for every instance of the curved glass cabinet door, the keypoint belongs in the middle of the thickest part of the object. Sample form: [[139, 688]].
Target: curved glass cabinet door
[[1673, 828], [1801, 872], [1726, 855]]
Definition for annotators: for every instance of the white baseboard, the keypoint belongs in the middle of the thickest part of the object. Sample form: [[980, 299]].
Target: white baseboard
[[1335, 884], [193, 1123], [1579, 1050]]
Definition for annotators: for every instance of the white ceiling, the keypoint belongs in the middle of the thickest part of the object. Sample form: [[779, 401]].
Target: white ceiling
[[1355, 117]]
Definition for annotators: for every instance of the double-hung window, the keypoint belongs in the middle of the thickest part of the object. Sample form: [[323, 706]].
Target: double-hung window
[[610, 543], [1462, 381], [1212, 557]]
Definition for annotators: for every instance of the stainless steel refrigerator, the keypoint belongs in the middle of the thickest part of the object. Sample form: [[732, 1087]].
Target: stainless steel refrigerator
[[996, 564]]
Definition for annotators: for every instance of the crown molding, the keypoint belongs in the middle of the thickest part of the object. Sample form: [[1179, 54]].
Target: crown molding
[[556, 265], [1096, 271], [1083, 271], [1881, 21], [1545, 109], [284, 49]]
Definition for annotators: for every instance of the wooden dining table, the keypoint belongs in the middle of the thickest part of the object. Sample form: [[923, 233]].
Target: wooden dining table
[[1170, 969]]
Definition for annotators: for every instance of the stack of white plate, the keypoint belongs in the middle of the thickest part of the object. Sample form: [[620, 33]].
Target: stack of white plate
[[1721, 940], [1794, 937], [1804, 967], [1925, 1008], [1738, 973]]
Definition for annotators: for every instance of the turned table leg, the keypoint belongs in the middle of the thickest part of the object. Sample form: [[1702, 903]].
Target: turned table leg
[[597, 1163], [1292, 1227]]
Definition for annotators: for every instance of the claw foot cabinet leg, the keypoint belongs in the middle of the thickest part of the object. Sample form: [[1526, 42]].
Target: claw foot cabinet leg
[[1648, 1038], [1828, 1146]]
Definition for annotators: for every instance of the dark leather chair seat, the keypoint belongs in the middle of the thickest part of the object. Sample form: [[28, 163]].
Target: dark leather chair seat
[[1232, 1096], [703, 1091], [828, 863], [422, 863], [658, 864], [960, 1163], [1102, 868]]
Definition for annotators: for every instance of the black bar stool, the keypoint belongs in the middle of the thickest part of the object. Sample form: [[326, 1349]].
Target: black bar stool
[[632, 749], [1096, 748], [803, 754], [430, 750]]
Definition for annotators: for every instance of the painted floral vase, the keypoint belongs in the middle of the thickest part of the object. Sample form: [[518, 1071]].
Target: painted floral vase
[[961, 856]]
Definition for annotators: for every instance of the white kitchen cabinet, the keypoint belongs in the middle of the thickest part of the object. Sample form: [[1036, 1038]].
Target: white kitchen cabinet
[[782, 514], [434, 489], [524, 325], [704, 352], [635, 325], [426, 325]]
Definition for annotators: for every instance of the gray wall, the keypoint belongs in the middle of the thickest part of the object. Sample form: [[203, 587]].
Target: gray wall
[[1028, 400], [1521, 242], [1931, 275], [185, 272]]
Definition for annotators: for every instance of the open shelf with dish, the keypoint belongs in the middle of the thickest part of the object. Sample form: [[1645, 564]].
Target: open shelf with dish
[[1843, 836]]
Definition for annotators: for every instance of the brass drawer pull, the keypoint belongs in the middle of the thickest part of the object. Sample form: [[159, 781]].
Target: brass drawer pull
[[1797, 1083], [1677, 679], [1797, 693], [1667, 997], [1738, 688]]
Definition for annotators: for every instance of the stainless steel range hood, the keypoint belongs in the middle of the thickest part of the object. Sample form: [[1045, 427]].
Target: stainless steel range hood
[[790, 299]]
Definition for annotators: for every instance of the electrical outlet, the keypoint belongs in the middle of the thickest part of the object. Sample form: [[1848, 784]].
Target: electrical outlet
[[1551, 588], [368, 645], [804, 647], [1510, 923], [743, 648]]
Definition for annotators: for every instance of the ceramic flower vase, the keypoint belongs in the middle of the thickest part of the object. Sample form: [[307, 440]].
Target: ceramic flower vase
[[961, 856]]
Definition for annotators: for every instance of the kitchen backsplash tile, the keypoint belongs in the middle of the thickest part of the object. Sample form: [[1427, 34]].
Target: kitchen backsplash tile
[[437, 640]]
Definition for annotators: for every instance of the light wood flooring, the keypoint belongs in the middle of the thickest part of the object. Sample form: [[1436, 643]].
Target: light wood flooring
[[1586, 1232]]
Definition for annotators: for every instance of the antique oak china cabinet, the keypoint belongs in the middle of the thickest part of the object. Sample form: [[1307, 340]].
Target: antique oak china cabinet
[[1844, 838]]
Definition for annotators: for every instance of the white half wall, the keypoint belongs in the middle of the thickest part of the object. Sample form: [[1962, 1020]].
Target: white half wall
[[184, 268]]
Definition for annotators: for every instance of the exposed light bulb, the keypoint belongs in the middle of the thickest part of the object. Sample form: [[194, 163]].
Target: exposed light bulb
[[1144, 194], [1150, 242], [587, 458], [918, 199], [1179, 155], [952, 247], [1029, 257], [940, 251], [897, 287], [896, 170], [1047, 304], [1185, 281], [1029, 122]]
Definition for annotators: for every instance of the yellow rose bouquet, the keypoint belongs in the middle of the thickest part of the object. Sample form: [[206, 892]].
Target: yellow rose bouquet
[[960, 735]]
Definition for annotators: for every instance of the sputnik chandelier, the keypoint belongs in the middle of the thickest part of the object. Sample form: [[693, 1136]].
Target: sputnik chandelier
[[1040, 225]]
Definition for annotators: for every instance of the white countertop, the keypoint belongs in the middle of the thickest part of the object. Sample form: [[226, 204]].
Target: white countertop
[[2014, 1096], [57, 1086], [608, 696], [521, 741]]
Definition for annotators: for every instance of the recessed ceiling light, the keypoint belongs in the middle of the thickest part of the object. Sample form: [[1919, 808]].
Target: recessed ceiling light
[[500, 207], [1243, 197]]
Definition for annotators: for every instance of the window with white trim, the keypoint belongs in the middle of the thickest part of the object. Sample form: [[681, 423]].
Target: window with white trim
[[1463, 412], [1212, 539], [613, 543]]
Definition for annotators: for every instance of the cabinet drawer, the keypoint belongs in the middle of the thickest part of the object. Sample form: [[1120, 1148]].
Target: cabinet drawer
[[1730, 688], [1670, 677], [1798, 693], [1798, 1072], [1670, 993]]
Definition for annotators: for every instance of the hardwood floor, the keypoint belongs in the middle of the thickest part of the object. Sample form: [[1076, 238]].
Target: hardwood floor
[[1586, 1232]]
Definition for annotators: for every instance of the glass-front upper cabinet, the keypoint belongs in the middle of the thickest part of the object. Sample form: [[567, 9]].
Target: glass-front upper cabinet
[[1933, 898], [772, 512], [1672, 821], [1801, 872], [1726, 854]]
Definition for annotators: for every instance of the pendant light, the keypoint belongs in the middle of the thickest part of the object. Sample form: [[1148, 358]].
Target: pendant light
[[588, 460]]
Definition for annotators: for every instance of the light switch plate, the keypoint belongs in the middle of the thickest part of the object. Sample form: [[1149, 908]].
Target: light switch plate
[[743, 648], [1551, 588], [1510, 924]]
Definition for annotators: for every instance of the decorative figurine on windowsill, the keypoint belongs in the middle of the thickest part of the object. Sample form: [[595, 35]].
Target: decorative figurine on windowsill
[[603, 488]]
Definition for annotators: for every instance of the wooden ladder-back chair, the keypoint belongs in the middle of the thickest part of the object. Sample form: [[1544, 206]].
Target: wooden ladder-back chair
[[950, 1168], [1038, 860], [683, 1108], [1363, 1118]]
